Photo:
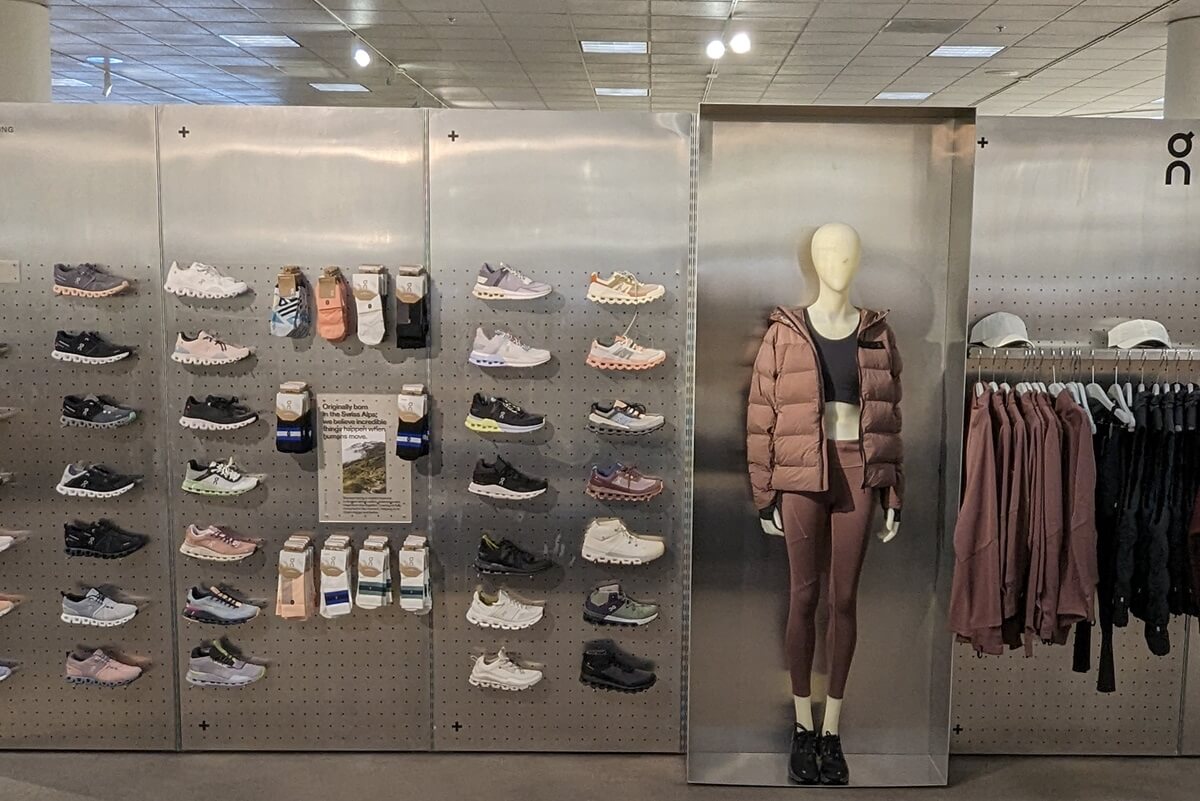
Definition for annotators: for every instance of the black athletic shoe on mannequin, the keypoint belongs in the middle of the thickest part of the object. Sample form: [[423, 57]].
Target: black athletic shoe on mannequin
[[834, 769], [802, 765]]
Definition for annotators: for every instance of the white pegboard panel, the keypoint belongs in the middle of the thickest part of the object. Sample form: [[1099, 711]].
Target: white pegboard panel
[[557, 196], [73, 199]]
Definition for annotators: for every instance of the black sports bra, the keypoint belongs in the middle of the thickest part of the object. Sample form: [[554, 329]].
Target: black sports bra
[[838, 361]]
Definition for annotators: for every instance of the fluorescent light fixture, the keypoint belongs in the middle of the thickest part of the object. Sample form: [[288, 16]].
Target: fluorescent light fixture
[[740, 43], [101, 60], [630, 91], [68, 82], [715, 49], [253, 40], [339, 87], [966, 51], [903, 95], [637, 48]]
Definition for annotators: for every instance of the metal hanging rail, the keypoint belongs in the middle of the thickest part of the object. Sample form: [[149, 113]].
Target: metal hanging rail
[[1063, 353]]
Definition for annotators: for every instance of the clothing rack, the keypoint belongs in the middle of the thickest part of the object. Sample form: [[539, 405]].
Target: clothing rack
[[1059, 353]]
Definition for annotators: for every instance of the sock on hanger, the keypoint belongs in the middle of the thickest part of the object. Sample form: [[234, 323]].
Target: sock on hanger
[[294, 418], [412, 308], [335, 577], [412, 432], [374, 573], [291, 304], [370, 289], [294, 599], [333, 305], [415, 595]]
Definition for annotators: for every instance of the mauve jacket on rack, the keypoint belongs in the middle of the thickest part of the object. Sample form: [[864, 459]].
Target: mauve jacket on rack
[[785, 430]]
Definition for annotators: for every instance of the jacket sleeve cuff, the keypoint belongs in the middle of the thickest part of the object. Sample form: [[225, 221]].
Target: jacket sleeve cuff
[[891, 500], [767, 512]]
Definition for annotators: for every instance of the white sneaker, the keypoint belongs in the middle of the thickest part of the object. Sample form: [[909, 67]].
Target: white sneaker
[[504, 350], [623, 288], [624, 354], [205, 348], [608, 541], [201, 281], [505, 612], [501, 673], [216, 478]]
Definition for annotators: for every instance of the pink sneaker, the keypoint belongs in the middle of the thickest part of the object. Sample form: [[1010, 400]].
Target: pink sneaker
[[215, 545], [100, 668], [205, 348]]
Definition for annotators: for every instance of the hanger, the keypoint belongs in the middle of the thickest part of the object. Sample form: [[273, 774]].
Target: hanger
[[992, 383], [1039, 385], [1117, 393], [1094, 390], [1056, 386]]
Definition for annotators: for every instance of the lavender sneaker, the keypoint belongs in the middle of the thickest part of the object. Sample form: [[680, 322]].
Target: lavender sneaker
[[505, 283]]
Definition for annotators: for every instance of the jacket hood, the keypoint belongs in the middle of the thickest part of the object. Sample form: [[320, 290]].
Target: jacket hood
[[794, 318]]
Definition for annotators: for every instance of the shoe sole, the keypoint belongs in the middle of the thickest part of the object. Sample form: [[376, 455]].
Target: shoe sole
[[188, 292], [609, 620], [504, 570], [494, 491], [604, 684], [210, 556], [806, 782], [90, 293], [77, 358], [603, 428], [498, 624], [619, 364], [199, 681], [88, 680], [197, 424], [616, 495], [195, 490], [495, 685], [205, 361], [607, 559], [622, 300], [204, 617], [86, 493], [79, 620], [480, 360], [70, 422], [491, 293], [95, 555], [486, 425]]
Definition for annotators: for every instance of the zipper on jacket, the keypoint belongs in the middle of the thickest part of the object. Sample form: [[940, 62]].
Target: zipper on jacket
[[862, 445]]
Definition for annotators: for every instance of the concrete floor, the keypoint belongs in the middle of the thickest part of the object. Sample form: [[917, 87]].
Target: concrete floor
[[539, 777]]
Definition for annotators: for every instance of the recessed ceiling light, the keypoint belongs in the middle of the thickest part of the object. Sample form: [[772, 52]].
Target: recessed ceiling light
[[715, 49], [966, 51], [102, 59], [250, 40], [630, 91], [740, 43], [339, 87], [67, 82], [614, 47], [903, 95], [362, 56]]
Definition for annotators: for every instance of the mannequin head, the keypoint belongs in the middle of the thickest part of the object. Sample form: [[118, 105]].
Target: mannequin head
[[836, 254]]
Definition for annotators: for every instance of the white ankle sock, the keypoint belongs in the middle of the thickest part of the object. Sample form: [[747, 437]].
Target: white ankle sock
[[370, 289]]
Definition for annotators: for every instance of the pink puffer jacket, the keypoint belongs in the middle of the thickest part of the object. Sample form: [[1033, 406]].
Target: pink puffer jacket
[[785, 432]]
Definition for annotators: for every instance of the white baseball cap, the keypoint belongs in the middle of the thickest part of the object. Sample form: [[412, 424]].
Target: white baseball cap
[[1000, 330], [1139, 333]]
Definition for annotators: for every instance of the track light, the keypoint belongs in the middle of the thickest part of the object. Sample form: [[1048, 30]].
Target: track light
[[715, 49], [362, 56], [740, 43], [107, 90]]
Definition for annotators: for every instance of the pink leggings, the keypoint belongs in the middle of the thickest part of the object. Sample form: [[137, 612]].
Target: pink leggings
[[827, 532]]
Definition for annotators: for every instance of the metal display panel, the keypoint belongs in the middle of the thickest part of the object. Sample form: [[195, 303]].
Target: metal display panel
[[251, 190], [557, 195], [769, 177], [72, 197], [1076, 229]]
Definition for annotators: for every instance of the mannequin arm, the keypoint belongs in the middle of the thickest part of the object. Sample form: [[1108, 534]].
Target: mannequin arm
[[772, 525], [891, 526]]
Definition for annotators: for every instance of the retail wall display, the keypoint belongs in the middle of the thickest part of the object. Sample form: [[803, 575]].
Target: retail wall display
[[1107, 243], [895, 184]]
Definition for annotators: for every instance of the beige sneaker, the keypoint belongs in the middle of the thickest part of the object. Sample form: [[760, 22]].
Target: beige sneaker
[[100, 668], [215, 545], [205, 348], [623, 288]]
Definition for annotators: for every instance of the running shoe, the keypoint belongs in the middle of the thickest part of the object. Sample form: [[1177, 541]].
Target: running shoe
[[608, 541], [9, 538], [608, 604], [496, 415], [834, 769], [502, 349], [501, 480], [100, 540], [6, 606], [215, 544], [217, 664], [5, 672], [207, 349], [217, 478], [507, 558], [624, 354], [500, 672], [214, 605], [502, 611], [620, 483], [99, 668], [86, 281], [215, 413], [94, 411], [624, 288], [9, 412], [201, 281], [620, 417], [94, 481], [505, 283], [87, 347], [604, 667], [94, 608]]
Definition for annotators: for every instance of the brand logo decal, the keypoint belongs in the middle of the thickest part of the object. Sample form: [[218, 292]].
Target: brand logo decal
[[1180, 146]]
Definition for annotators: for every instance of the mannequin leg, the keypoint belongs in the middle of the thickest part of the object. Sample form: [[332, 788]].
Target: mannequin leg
[[804, 717], [805, 527], [850, 531]]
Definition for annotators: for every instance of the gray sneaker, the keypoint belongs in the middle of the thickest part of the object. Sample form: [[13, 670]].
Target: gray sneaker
[[217, 607], [93, 411], [608, 604], [94, 608], [215, 665], [505, 283], [86, 281]]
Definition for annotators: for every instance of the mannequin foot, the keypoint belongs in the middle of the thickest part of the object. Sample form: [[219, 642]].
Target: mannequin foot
[[834, 769], [802, 765]]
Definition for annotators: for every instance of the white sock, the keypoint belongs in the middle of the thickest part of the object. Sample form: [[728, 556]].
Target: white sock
[[373, 571], [415, 595], [369, 293], [335, 578]]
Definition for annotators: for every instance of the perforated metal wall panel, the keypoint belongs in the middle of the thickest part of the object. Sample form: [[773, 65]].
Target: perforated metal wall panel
[[557, 196]]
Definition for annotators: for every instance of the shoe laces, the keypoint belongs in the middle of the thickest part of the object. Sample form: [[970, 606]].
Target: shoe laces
[[206, 269], [219, 654], [223, 598], [213, 339], [831, 745], [514, 272], [503, 660], [224, 536], [220, 402], [633, 409], [513, 339], [512, 407], [227, 470], [629, 343], [629, 278]]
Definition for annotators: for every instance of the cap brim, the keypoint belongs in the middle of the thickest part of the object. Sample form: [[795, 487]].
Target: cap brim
[[1006, 340], [1141, 342]]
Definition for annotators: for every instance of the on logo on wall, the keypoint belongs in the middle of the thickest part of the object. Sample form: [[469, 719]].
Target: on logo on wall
[[1180, 146]]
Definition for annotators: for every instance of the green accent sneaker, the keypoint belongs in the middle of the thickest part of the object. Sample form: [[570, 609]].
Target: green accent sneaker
[[609, 605]]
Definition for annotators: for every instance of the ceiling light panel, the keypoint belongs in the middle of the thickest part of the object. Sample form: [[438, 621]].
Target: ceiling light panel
[[614, 47], [966, 51], [632, 91], [255, 40], [64, 82], [339, 87], [903, 95]]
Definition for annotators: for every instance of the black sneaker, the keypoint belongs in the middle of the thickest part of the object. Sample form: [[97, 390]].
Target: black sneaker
[[94, 481], [101, 540], [216, 413], [94, 411], [802, 764], [87, 347], [501, 480], [624, 657], [604, 668], [834, 769], [505, 557], [498, 416]]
